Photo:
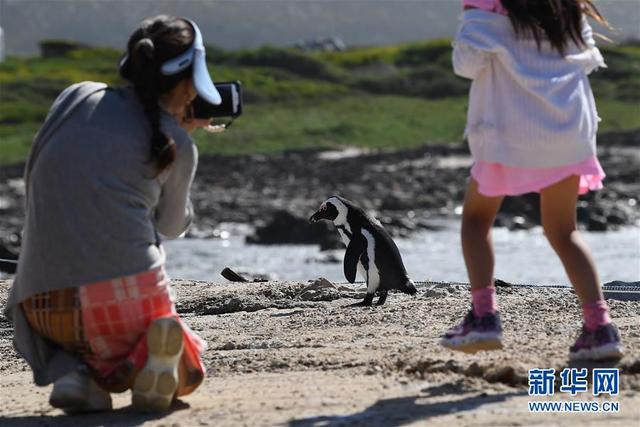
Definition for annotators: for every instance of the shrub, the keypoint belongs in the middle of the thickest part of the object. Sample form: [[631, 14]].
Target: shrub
[[58, 48], [427, 82], [287, 59], [424, 53]]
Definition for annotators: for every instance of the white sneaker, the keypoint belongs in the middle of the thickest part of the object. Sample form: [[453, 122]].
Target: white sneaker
[[156, 384], [78, 392]]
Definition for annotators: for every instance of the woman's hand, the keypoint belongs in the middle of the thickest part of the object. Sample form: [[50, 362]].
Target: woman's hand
[[191, 124]]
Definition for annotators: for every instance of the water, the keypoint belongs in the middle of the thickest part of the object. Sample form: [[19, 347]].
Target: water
[[521, 257]]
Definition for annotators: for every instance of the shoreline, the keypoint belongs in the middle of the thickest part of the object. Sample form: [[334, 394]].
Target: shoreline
[[294, 354]]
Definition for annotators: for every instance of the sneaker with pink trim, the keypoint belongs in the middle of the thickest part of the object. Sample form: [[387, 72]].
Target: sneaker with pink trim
[[475, 334], [601, 344]]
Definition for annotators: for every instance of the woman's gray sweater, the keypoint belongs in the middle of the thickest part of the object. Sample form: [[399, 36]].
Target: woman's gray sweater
[[94, 205]]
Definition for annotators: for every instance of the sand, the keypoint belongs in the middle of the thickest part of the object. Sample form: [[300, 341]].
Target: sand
[[292, 354]]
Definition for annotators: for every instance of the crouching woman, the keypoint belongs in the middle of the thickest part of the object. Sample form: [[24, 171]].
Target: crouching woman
[[108, 174]]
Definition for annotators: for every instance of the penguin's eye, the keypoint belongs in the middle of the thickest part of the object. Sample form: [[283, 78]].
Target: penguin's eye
[[323, 207]]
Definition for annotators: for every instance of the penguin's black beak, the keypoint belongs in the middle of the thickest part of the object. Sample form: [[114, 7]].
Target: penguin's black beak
[[316, 217], [327, 211]]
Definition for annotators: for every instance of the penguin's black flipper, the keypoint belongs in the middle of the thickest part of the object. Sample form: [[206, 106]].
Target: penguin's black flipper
[[356, 246]]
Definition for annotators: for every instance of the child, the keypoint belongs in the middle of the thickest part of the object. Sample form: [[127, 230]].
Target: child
[[531, 127]]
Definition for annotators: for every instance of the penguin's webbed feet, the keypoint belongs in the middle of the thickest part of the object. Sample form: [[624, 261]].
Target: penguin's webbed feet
[[383, 298], [367, 302]]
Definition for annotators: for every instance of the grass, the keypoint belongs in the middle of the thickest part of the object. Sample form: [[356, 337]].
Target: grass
[[363, 121], [381, 97]]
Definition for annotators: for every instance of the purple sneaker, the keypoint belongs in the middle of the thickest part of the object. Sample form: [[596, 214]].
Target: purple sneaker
[[475, 334], [603, 343]]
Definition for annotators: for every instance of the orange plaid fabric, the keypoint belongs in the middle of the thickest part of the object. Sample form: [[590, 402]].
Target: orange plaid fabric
[[106, 323], [57, 315]]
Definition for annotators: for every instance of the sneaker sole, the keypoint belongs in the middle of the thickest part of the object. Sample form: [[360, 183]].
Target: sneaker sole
[[473, 344], [613, 351], [156, 384]]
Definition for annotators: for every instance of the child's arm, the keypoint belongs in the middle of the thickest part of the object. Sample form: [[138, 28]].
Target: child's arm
[[474, 45], [468, 61], [588, 56]]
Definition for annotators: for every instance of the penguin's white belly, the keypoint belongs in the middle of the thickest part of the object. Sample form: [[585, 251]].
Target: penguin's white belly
[[373, 276]]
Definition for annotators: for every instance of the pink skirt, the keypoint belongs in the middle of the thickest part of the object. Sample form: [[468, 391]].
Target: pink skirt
[[116, 315], [496, 179]]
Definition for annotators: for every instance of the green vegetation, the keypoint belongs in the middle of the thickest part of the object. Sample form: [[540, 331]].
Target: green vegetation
[[388, 96]]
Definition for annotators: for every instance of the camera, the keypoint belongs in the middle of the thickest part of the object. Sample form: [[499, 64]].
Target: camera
[[231, 106]]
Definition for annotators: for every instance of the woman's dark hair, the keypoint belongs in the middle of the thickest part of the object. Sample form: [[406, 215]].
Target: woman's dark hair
[[155, 41], [559, 20]]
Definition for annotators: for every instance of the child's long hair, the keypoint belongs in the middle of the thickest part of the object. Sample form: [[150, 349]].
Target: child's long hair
[[559, 20]]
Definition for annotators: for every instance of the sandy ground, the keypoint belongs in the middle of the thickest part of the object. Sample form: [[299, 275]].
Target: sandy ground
[[294, 354]]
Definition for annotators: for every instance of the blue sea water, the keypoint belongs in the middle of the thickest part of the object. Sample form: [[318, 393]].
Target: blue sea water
[[521, 257]]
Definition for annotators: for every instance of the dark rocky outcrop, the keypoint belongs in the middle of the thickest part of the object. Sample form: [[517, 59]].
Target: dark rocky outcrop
[[285, 227], [406, 190]]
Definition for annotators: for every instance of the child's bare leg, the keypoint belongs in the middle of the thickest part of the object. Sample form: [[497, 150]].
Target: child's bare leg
[[558, 211], [599, 339], [478, 216]]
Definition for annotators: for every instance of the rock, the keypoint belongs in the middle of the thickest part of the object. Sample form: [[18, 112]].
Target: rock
[[618, 283], [286, 228], [245, 276], [513, 375], [8, 254], [474, 370], [232, 276], [228, 346], [435, 292], [501, 283], [327, 258], [633, 367], [520, 223], [319, 290], [249, 189], [597, 223], [617, 217], [322, 44], [500, 374]]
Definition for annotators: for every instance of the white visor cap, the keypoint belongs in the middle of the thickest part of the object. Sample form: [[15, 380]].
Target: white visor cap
[[195, 56]]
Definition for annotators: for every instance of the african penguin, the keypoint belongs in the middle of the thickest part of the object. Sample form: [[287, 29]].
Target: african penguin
[[370, 249]]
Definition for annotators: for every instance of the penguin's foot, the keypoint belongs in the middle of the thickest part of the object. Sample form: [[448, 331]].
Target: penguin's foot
[[383, 298], [475, 334], [367, 302]]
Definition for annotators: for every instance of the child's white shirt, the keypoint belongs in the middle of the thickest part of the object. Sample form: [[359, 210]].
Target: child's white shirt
[[528, 107]]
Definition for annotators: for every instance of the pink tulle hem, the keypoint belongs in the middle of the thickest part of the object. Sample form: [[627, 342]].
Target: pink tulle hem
[[495, 179]]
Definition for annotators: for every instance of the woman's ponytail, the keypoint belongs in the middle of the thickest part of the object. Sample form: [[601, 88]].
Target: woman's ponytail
[[157, 40]]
